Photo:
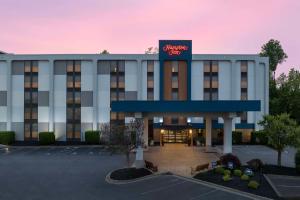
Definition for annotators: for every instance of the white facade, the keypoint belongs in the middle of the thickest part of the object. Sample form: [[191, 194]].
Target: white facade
[[52, 115]]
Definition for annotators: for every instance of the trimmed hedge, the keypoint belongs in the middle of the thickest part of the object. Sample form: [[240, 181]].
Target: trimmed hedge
[[92, 137], [259, 137], [236, 137], [7, 137], [46, 138], [297, 161]]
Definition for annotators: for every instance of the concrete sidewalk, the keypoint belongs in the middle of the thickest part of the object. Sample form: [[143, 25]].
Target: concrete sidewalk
[[179, 158]]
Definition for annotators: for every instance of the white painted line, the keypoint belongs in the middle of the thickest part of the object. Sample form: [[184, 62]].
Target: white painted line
[[203, 194], [162, 188], [289, 186]]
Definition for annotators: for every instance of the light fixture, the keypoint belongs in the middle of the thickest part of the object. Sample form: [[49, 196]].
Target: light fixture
[[161, 120], [162, 131], [189, 120], [190, 131]]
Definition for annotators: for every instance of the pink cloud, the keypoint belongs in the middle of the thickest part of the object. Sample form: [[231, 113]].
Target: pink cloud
[[88, 26]]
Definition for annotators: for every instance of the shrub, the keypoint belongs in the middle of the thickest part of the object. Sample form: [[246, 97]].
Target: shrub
[[92, 137], [226, 178], [237, 172], [297, 161], [244, 177], [259, 137], [7, 137], [255, 164], [227, 172], [236, 137], [225, 159], [46, 138], [253, 184], [219, 170]]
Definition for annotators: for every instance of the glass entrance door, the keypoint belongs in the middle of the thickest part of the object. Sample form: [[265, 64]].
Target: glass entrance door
[[175, 136]]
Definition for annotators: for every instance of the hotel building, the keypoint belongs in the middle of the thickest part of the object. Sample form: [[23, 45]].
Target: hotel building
[[179, 95]]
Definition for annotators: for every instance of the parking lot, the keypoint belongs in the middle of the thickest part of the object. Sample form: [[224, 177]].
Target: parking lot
[[79, 173]]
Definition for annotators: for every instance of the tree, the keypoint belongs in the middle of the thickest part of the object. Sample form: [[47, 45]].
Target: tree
[[285, 95], [276, 54], [104, 52], [281, 131], [151, 50]]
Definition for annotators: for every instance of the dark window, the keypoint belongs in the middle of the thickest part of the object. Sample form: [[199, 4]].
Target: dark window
[[73, 100], [30, 100], [211, 80], [244, 87], [117, 87]]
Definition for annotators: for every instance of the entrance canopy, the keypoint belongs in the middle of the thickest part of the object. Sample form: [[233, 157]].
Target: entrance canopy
[[185, 106]]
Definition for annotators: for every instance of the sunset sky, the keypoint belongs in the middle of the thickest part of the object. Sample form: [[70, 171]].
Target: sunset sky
[[130, 26]]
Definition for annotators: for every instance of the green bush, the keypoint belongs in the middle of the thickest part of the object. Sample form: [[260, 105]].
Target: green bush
[[259, 137], [227, 172], [7, 137], [297, 161], [244, 177], [219, 170], [226, 178], [253, 184], [92, 137], [46, 138], [236, 137], [237, 172]]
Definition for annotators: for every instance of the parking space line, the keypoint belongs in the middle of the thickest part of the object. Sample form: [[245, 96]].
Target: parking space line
[[162, 188], [204, 194]]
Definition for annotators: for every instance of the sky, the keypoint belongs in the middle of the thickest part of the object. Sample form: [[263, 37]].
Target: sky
[[130, 26]]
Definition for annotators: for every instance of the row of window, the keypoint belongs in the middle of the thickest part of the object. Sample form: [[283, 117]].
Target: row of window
[[73, 128], [30, 100], [117, 87]]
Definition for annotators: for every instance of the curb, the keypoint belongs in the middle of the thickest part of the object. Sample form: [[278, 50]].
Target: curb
[[120, 182], [223, 188]]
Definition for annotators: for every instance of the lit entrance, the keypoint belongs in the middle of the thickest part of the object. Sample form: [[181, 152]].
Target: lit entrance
[[175, 136]]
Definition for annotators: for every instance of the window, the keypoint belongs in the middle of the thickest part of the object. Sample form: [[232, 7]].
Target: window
[[73, 99], [150, 80], [211, 80], [30, 100], [244, 87], [117, 85]]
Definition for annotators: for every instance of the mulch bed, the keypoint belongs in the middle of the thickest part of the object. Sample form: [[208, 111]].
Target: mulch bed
[[274, 169], [236, 183], [129, 173]]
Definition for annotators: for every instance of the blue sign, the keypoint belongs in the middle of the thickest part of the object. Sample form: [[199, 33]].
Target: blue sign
[[175, 49], [230, 165], [213, 164]]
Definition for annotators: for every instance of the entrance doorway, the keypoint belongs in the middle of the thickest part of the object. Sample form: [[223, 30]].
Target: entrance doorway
[[175, 136]]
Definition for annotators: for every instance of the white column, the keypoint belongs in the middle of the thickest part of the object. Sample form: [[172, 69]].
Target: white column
[[208, 131], [139, 80], [145, 134], [95, 94], [51, 95], [227, 146], [9, 95]]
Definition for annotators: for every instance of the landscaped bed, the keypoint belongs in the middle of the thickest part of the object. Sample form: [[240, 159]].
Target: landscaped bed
[[129, 173], [264, 188]]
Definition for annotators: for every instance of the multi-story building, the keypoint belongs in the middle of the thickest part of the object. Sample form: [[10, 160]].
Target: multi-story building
[[179, 95]]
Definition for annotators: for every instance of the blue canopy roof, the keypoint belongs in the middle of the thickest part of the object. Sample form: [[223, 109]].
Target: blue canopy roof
[[186, 106]]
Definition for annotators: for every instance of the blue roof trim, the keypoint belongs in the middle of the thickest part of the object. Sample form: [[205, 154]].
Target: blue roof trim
[[185, 106]]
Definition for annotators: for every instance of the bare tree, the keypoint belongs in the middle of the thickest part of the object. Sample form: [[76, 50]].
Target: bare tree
[[105, 132]]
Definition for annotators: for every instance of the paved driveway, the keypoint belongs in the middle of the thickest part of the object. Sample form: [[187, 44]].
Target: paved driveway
[[266, 154], [76, 173], [179, 158]]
